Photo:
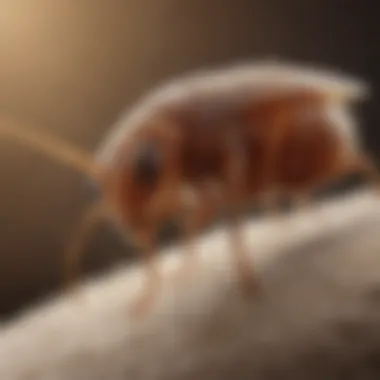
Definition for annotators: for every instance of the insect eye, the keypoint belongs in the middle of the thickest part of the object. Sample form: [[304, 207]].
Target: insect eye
[[146, 164]]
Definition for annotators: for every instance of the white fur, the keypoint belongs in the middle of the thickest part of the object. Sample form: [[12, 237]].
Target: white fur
[[261, 79]]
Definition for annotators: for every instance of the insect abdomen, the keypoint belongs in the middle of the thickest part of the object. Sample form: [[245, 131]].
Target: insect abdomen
[[308, 155]]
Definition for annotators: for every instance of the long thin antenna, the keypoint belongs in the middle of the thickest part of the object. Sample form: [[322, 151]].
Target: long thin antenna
[[51, 147]]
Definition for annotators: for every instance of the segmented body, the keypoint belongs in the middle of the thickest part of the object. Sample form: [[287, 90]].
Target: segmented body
[[290, 127]]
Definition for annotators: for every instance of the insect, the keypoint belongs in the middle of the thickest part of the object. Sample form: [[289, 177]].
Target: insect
[[211, 142]]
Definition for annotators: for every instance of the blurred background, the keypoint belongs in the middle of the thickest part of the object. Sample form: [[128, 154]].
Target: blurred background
[[69, 67]]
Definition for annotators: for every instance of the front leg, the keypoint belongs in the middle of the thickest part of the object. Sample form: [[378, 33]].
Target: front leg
[[153, 277], [75, 250], [164, 204], [198, 214]]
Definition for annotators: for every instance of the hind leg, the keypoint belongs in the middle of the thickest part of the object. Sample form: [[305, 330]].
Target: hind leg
[[365, 165], [243, 261]]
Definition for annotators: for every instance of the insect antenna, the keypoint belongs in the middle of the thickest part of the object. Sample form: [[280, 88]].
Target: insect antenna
[[75, 158], [51, 147]]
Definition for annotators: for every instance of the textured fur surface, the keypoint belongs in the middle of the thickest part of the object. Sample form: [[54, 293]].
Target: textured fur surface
[[317, 316]]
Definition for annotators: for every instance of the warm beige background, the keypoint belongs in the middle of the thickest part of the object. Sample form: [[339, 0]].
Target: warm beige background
[[70, 66]]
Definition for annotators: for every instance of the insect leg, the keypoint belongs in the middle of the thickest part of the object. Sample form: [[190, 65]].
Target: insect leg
[[271, 206], [196, 218], [242, 260], [235, 172], [153, 280], [366, 166], [75, 249], [167, 202]]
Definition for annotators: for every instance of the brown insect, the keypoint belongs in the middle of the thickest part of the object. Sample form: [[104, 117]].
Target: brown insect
[[212, 142]]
